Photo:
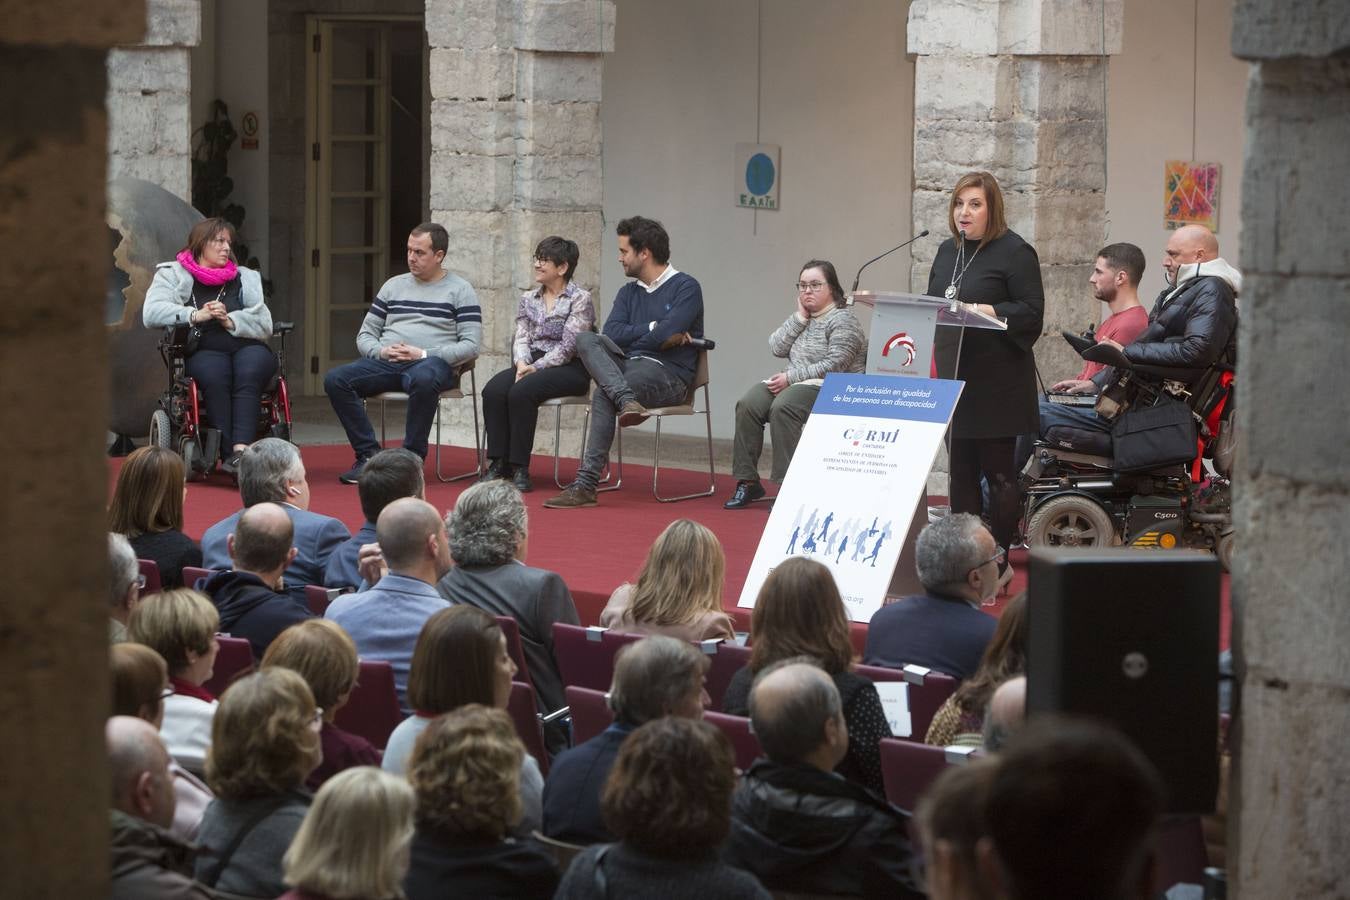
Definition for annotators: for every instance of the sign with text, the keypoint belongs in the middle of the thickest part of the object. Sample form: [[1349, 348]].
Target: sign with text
[[755, 182], [855, 480]]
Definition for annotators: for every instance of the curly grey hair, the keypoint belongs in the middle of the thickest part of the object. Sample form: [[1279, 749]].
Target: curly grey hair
[[123, 568], [947, 550], [264, 469], [487, 523]]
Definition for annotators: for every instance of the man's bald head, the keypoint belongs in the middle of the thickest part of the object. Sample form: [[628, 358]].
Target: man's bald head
[[1187, 245], [403, 531], [138, 767], [262, 539], [1007, 711], [791, 705]]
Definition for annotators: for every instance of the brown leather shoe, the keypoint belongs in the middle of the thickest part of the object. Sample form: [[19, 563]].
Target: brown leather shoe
[[632, 413], [574, 496]]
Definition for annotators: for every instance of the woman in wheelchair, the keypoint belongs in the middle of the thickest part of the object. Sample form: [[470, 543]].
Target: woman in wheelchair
[[227, 350]]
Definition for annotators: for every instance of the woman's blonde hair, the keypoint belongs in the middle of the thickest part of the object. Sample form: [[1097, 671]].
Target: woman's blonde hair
[[138, 677], [262, 742], [322, 653], [682, 577], [149, 493], [354, 840], [465, 769], [173, 622]]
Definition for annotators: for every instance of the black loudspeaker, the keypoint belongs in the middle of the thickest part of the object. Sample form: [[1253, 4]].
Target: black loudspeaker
[[1132, 637]]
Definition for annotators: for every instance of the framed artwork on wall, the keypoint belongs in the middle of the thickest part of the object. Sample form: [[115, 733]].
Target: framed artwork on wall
[[1191, 194]]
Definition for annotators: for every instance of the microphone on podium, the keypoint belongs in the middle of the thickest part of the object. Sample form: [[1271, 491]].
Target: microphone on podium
[[923, 233]]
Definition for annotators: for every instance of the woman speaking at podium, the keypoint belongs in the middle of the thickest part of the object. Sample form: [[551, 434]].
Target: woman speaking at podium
[[985, 266]]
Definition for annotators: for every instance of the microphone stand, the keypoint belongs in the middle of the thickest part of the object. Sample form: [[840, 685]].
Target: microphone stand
[[857, 277]]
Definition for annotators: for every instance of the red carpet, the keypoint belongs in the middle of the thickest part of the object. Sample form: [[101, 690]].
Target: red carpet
[[594, 549]]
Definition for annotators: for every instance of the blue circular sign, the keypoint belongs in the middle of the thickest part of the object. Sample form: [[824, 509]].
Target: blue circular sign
[[759, 174]]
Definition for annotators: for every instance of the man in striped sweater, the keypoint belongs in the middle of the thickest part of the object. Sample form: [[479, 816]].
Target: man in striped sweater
[[421, 330]]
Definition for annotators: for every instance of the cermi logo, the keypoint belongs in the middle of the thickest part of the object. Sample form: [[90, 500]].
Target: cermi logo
[[903, 341]]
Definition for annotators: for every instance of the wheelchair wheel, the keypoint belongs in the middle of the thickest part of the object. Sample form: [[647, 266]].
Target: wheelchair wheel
[[191, 451], [1070, 521], [1223, 549], [161, 430]]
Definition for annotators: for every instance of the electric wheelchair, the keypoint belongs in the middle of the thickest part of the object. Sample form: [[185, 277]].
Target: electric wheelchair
[[1077, 495], [182, 423]]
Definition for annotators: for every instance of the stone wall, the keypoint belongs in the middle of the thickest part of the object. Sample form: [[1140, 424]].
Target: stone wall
[[1291, 775], [515, 149], [53, 626], [149, 99]]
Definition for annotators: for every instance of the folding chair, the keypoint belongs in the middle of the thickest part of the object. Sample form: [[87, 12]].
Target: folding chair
[[726, 658], [524, 711], [150, 569], [455, 393], [234, 661], [743, 740], [586, 655], [928, 690], [908, 768], [557, 404], [318, 597], [372, 710], [590, 713]]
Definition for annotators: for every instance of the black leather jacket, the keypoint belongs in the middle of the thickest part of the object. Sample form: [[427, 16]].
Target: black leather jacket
[[1195, 329]]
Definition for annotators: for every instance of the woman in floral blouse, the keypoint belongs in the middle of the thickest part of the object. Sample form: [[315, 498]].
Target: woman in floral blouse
[[543, 354]]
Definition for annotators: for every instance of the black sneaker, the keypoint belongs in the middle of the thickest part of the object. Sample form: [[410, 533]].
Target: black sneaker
[[353, 475], [747, 492], [497, 468], [521, 479]]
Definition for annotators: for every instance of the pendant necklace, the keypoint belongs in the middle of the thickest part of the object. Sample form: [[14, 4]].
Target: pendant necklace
[[959, 269]]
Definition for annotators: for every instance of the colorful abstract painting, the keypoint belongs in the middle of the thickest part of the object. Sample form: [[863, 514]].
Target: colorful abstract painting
[[1191, 194]]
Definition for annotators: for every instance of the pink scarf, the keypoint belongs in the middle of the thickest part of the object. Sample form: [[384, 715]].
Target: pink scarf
[[213, 277]]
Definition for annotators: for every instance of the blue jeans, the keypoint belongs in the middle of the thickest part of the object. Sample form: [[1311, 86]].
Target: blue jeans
[[1053, 414], [619, 379], [422, 380], [232, 383]]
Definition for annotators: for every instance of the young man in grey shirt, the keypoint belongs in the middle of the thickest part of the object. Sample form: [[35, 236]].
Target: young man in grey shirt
[[420, 330]]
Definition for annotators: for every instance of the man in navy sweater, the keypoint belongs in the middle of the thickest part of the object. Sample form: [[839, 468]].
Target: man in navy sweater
[[644, 356]]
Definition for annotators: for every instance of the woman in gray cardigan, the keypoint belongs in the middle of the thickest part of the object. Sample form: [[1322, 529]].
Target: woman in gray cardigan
[[231, 362], [821, 336]]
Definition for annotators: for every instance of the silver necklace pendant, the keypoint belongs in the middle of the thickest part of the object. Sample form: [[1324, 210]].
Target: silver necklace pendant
[[950, 292]]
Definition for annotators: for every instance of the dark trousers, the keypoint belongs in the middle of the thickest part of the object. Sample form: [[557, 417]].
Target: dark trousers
[[422, 380], [994, 459], [511, 408], [232, 382]]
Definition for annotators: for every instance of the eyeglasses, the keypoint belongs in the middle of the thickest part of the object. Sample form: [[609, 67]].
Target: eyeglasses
[[317, 722], [810, 286], [999, 556], [140, 582]]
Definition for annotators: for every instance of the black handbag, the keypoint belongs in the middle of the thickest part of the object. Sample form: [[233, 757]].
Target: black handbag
[[1149, 437], [192, 341]]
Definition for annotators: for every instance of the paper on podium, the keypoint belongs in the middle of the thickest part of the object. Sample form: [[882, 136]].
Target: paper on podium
[[895, 704], [967, 316]]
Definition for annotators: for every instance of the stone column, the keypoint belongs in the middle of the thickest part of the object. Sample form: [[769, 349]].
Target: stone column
[[149, 99], [1016, 88], [515, 152], [53, 388], [1291, 629]]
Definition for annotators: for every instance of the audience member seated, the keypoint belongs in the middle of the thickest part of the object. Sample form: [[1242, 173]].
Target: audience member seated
[[180, 625], [388, 476], [658, 676], [668, 801], [795, 823], [950, 824], [960, 720], [679, 590], [147, 860], [943, 629], [1070, 813], [461, 658], [465, 771], [140, 682], [821, 336], [124, 585], [264, 744], [489, 531], [1007, 711], [385, 620], [251, 597], [271, 471], [354, 840], [799, 613], [320, 652], [147, 507]]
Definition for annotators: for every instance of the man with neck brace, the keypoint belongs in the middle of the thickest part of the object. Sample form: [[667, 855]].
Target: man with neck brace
[[1193, 324]]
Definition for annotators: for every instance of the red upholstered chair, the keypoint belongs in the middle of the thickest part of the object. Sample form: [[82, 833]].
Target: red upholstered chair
[[909, 767], [586, 655], [726, 658], [524, 713], [234, 661], [150, 569], [191, 574], [928, 690], [317, 598], [372, 710], [743, 740], [590, 713], [511, 628]]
